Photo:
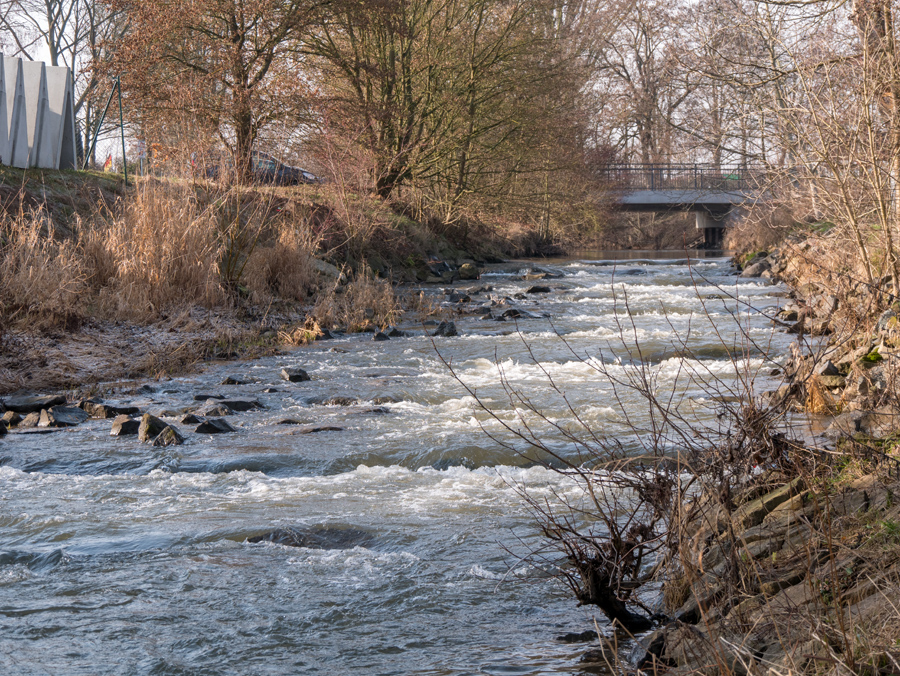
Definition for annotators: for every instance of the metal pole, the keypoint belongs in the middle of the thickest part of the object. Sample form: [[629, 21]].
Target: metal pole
[[97, 133], [122, 129]]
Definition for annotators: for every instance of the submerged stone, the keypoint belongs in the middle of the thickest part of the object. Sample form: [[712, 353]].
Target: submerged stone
[[317, 538]]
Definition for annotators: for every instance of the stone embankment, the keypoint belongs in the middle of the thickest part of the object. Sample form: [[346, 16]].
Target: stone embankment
[[800, 572]]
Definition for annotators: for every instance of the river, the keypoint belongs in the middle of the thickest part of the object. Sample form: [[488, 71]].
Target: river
[[118, 558]]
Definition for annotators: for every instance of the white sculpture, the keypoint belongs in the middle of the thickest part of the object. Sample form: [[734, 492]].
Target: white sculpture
[[37, 115]]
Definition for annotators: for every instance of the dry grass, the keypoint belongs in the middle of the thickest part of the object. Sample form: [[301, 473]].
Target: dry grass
[[169, 247], [364, 304], [42, 280]]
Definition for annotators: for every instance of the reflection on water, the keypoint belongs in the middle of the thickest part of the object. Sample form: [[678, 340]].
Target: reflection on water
[[407, 521]]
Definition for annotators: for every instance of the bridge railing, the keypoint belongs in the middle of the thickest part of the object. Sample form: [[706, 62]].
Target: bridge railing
[[721, 178]]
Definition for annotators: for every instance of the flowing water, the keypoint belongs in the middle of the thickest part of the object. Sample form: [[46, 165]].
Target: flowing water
[[119, 558]]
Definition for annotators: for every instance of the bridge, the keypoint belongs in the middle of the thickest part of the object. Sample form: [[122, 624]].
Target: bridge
[[711, 192]]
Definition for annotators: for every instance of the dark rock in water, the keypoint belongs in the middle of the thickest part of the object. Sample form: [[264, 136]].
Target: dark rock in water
[[11, 419], [512, 313], [290, 421], [467, 271], [319, 428], [106, 411], [336, 401], [445, 330], [317, 538], [207, 397], [231, 381], [30, 420], [151, 427], [385, 400], [62, 416], [242, 405], [294, 375], [124, 425], [394, 332], [539, 289], [168, 437], [270, 390], [33, 404], [190, 419], [214, 426], [380, 337], [634, 272], [214, 408], [583, 637], [457, 297]]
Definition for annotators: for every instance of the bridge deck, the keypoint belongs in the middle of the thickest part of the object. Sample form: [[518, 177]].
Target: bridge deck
[[685, 187]]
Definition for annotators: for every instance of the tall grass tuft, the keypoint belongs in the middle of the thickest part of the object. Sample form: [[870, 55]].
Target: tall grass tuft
[[42, 279]]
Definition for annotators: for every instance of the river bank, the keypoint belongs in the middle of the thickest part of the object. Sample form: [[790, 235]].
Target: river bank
[[797, 572]]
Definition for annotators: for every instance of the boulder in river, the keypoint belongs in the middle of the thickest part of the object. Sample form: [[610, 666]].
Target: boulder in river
[[33, 404], [151, 427], [445, 330], [321, 537], [190, 419], [214, 426], [168, 437], [468, 271], [213, 408], [242, 405], [62, 416], [124, 425], [380, 336], [11, 419], [231, 381], [394, 332], [30, 420], [206, 397], [539, 289], [105, 411], [294, 375]]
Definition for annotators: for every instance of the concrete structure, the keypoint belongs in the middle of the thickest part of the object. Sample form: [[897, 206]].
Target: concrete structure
[[37, 115], [712, 194]]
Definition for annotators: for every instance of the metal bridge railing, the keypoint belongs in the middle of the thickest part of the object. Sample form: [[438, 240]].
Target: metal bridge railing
[[722, 178]]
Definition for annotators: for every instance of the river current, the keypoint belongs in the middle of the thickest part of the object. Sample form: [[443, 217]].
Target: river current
[[119, 558]]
